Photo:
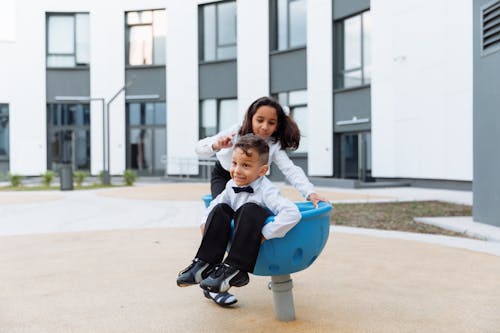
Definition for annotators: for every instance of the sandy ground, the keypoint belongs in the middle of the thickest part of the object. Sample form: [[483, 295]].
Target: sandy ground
[[124, 281]]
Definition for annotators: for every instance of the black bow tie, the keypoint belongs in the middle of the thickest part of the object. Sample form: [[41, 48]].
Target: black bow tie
[[248, 189]]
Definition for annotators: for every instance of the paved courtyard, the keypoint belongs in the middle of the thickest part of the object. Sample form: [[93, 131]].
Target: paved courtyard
[[106, 261]]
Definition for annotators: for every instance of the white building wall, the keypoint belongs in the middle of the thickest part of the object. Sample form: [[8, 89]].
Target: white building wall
[[320, 88], [253, 52], [422, 89], [182, 85]]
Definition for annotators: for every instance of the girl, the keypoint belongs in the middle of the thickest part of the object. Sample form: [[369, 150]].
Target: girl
[[265, 118]]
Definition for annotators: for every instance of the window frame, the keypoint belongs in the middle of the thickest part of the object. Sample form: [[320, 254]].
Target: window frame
[[218, 102], [75, 43], [339, 49], [127, 39], [285, 103], [274, 27], [201, 33], [5, 115]]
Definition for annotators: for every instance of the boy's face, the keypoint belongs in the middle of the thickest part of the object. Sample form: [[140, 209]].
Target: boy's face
[[245, 169]]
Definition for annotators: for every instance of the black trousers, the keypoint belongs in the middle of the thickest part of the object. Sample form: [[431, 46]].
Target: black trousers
[[218, 179], [248, 222]]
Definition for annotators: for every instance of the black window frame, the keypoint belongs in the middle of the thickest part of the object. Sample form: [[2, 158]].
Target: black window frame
[[273, 27], [218, 102], [201, 35], [127, 39], [75, 44], [339, 47]]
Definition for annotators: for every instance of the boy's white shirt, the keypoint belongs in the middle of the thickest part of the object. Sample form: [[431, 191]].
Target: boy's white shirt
[[266, 195], [294, 174]]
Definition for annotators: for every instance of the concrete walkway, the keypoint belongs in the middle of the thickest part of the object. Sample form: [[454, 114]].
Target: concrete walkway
[[106, 261]]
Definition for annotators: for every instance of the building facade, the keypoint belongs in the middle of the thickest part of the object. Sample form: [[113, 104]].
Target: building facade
[[380, 89]]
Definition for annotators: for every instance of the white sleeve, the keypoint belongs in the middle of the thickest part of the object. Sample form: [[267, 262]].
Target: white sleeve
[[294, 174], [221, 198], [204, 147], [286, 213]]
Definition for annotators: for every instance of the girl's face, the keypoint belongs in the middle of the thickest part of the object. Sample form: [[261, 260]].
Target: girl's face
[[265, 121]]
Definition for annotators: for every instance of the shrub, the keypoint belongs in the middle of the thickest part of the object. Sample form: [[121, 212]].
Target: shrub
[[15, 180], [47, 177], [79, 177], [102, 176], [129, 176]]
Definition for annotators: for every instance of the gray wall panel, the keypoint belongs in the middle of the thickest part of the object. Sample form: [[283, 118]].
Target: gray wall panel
[[342, 8], [147, 81], [67, 82], [288, 71], [486, 129], [349, 104], [218, 80]]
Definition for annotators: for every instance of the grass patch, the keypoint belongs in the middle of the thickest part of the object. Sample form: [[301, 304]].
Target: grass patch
[[398, 215], [54, 188]]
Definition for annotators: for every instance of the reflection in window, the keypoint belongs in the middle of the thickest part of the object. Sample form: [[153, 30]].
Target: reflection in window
[[296, 102], [218, 36], [68, 135], [68, 40], [289, 24], [146, 137], [353, 44], [146, 37], [4, 132], [217, 115]]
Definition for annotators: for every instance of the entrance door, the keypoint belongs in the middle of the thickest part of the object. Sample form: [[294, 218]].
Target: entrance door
[[355, 156], [68, 136]]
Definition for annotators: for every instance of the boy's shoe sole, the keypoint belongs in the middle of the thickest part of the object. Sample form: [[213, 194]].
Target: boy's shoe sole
[[221, 299]]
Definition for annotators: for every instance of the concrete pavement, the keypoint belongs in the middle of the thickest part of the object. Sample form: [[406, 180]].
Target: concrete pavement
[[106, 261]]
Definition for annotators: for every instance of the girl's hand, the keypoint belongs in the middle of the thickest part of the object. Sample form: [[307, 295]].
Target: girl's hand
[[315, 198], [224, 142]]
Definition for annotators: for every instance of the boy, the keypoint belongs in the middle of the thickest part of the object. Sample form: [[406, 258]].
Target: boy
[[249, 198]]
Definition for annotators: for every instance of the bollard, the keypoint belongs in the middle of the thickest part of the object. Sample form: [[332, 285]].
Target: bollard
[[282, 285]]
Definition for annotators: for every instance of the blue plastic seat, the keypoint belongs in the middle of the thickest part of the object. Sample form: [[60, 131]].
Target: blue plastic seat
[[301, 245]]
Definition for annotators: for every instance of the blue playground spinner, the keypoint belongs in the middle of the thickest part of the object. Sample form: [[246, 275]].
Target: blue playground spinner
[[300, 247]]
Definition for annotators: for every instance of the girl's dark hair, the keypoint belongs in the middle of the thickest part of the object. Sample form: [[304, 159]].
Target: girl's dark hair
[[287, 132]]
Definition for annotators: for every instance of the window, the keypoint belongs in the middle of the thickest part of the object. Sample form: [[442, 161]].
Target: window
[[217, 115], [218, 33], [68, 40], [146, 37], [146, 137], [289, 24], [68, 136], [4, 132], [353, 46], [296, 102], [490, 28]]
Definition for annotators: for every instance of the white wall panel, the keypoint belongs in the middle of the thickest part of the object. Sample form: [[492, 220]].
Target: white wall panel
[[422, 89], [320, 87]]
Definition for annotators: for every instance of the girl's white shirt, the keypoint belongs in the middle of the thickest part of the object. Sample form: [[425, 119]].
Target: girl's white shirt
[[294, 174]]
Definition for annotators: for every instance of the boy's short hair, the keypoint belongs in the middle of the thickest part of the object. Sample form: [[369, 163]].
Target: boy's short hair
[[252, 141]]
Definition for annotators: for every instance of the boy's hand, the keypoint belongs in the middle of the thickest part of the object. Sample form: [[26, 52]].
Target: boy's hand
[[263, 239], [224, 142], [314, 198], [202, 229]]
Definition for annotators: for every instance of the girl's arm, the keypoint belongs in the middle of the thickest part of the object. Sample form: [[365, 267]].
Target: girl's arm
[[208, 146], [296, 176]]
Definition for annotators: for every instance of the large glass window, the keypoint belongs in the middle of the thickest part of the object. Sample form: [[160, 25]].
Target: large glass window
[[146, 37], [289, 24], [146, 137], [296, 102], [68, 136], [217, 115], [353, 46], [218, 33], [4, 139], [68, 40]]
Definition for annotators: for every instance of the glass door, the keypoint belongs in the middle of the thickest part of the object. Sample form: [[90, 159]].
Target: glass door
[[355, 156]]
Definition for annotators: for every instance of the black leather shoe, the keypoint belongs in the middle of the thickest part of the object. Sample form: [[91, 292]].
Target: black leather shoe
[[223, 278], [194, 273]]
